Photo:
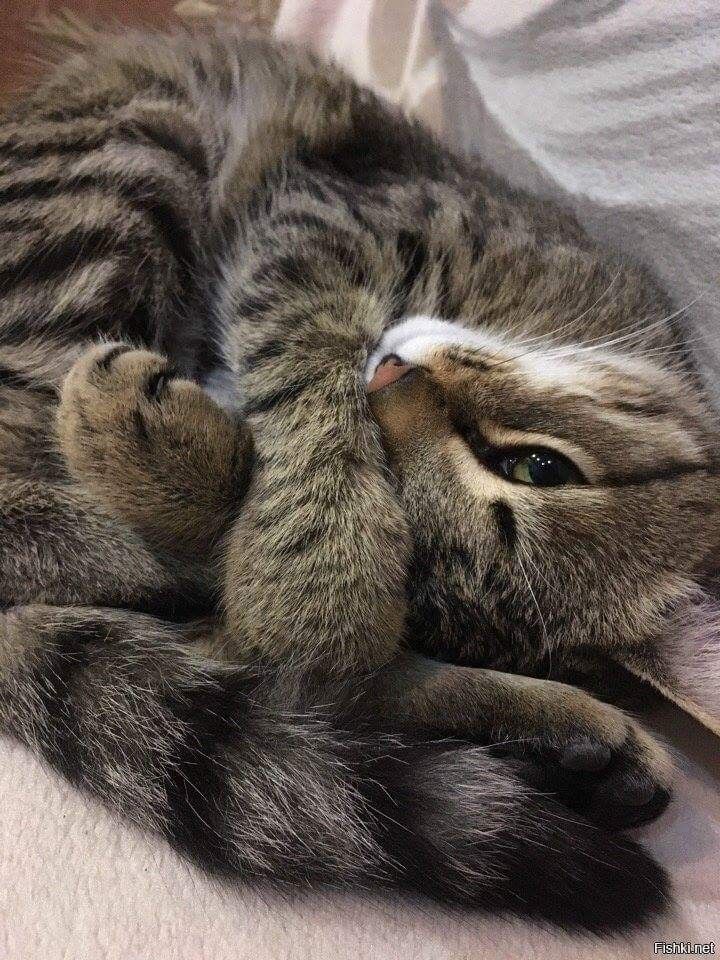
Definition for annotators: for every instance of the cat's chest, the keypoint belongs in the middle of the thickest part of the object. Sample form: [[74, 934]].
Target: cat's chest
[[222, 385]]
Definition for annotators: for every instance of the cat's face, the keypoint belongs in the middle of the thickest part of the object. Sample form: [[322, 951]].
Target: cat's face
[[558, 497]]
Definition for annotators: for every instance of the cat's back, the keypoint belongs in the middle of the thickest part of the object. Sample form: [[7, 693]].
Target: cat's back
[[119, 171]]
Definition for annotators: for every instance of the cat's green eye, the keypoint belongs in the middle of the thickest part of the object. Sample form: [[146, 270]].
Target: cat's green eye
[[539, 467], [535, 466]]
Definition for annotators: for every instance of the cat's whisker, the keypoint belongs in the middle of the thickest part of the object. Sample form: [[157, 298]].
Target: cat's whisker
[[566, 327], [640, 332], [561, 352], [546, 636], [602, 296], [669, 351], [600, 342], [571, 325]]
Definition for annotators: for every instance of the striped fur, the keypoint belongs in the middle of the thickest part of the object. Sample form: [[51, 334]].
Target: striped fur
[[220, 202]]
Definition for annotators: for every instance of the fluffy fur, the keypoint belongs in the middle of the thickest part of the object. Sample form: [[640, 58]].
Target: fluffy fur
[[233, 204]]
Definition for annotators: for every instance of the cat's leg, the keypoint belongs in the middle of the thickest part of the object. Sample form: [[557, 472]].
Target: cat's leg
[[58, 545], [321, 517], [595, 757], [318, 553], [448, 818], [133, 711], [153, 448], [107, 395]]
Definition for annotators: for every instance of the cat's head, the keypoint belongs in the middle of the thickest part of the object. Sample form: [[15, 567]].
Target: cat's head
[[561, 497]]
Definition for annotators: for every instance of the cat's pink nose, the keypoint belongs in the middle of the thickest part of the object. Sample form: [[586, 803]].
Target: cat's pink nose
[[389, 370]]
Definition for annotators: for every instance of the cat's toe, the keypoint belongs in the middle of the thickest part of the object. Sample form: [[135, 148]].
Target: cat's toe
[[585, 755], [631, 792], [616, 785]]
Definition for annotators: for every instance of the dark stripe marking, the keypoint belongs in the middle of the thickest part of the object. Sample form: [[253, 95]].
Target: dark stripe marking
[[304, 542], [146, 77], [56, 678], [140, 426], [292, 268], [270, 350], [251, 305], [444, 300], [191, 154], [72, 144], [20, 381], [106, 361], [196, 774], [141, 193], [505, 522], [111, 315], [667, 474], [58, 255], [414, 254], [275, 398], [473, 363]]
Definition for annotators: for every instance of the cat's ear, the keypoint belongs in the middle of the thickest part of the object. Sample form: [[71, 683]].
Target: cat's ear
[[684, 663]]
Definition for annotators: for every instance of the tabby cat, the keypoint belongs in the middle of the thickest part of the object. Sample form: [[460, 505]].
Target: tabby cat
[[449, 426]]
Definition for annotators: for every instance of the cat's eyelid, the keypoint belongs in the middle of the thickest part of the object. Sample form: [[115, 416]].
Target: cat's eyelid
[[514, 439], [486, 438]]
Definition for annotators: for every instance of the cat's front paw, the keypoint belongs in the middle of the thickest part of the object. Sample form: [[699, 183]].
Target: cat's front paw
[[152, 444], [596, 759]]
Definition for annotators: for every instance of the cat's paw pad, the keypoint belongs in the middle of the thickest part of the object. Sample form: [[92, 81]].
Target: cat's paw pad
[[605, 766]]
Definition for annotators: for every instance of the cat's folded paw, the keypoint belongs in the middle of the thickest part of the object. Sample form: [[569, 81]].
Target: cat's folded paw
[[598, 761], [142, 437]]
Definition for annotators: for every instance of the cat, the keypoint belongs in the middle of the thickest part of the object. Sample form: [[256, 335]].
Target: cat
[[454, 427]]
